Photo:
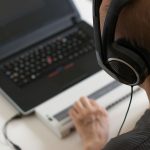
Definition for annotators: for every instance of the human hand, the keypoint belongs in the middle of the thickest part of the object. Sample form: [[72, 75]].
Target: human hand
[[92, 123]]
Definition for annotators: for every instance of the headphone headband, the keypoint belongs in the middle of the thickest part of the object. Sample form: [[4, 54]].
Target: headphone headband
[[112, 16]]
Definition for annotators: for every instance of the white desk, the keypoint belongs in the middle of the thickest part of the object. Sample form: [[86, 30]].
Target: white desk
[[29, 133]]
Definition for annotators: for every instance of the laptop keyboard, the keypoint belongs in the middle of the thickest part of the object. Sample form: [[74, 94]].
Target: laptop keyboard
[[47, 57]]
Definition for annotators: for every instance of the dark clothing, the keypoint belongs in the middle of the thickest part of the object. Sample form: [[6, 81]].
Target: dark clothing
[[137, 139]]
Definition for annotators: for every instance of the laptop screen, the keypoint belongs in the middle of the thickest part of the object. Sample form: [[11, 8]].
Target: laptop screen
[[20, 17]]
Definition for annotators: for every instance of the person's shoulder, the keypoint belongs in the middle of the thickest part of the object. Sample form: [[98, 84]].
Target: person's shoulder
[[144, 122], [135, 139], [128, 141]]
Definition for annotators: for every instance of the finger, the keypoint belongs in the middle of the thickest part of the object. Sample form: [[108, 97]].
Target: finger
[[76, 109], [96, 110], [86, 102], [100, 114], [76, 118], [79, 106], [73, 114], [99, 107], [93, 103]]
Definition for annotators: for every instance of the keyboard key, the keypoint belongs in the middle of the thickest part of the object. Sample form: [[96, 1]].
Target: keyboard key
[[49, 60]]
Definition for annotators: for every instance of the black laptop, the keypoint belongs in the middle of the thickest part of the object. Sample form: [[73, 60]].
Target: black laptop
[[45, 48]]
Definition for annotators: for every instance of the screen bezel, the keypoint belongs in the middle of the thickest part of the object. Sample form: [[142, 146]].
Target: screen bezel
[[35, 35]]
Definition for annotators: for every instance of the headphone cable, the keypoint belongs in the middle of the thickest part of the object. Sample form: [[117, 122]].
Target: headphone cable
[[127, 111], [17, 116]]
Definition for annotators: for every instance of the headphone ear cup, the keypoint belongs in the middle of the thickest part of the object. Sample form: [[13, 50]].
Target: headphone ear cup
[[129, 67]]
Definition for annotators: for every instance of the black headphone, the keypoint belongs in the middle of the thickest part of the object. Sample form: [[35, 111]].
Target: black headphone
[[120, 59]]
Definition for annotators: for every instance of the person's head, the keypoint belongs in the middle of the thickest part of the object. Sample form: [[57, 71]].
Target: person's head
[[133, 25]]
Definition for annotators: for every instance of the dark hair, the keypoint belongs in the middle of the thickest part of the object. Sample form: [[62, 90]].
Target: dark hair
[[133, 23]]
